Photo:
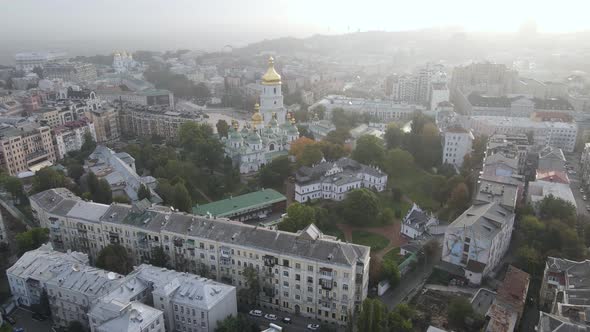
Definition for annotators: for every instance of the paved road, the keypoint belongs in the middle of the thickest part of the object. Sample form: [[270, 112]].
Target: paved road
[[299, 324], [24, 319], [576, 183]]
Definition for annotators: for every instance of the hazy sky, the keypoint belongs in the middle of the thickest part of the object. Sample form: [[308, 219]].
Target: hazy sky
[[193, 23]]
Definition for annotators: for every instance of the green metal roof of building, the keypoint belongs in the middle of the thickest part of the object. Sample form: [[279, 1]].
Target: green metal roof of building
[[234, 205]]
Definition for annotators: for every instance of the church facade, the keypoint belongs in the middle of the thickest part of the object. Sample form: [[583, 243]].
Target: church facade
[[270, 131]]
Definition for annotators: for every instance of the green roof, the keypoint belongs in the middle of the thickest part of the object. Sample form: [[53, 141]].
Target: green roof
[[235, 205]]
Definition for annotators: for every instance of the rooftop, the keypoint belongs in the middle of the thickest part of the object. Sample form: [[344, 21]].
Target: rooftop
[[318, 247], [242, 203]]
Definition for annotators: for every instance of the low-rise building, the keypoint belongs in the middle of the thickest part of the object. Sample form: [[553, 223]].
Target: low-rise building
[[333, 180], [118, 169], [416, 222], [251, 206], [383, 110], [506, 311], [147, 97], [305, 273]]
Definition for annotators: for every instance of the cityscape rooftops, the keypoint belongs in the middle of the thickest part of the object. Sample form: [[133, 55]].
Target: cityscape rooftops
[[240, 203], [326, 169], [484, 218], [156, 219], [87, 280]]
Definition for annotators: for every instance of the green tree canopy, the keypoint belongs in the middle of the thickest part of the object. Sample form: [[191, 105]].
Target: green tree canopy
[[181, 198], [394, 136], [114, 258], [298, 217], [369, 150], [76, 326], [159, 257], [143, 192], [460, 313], [360, 207], [311, 154], [31, 239], [200, 144], [222, 128], [48, 178], [274, 174], [552, 207], [373, 316], [241, 323], [391, 272]]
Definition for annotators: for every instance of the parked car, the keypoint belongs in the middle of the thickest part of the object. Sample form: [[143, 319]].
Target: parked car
[[587, 207], [286, 320], [581, 190], [313, 327], [270, 317], [255, 313], [584, 197], [9, 319]]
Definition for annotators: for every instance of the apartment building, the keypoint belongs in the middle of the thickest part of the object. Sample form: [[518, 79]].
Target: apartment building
[[457, 143], [28, 60], [28, 276], [71, 135], [106, 123], [76, 72], [306, 273], [148, 121], [24, 148], [148, 97], [384, 110]]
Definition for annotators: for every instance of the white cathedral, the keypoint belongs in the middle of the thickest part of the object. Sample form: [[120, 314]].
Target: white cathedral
[[270, 132], [123, 62]]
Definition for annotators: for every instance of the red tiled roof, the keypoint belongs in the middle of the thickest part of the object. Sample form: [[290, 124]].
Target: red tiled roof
[[514, 288], [553, 176]]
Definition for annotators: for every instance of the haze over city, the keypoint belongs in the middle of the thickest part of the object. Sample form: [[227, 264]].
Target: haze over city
[[294, 166]]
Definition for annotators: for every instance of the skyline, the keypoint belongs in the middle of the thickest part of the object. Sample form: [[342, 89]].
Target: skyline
[[190, 24]]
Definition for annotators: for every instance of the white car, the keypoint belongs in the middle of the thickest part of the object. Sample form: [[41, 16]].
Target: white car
[[270, 317], [256, 313], [313, 327]]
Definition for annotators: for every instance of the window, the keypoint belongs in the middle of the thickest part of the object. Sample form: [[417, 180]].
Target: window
[[310, 268], [286, 262], [285, 273], [297, 266]]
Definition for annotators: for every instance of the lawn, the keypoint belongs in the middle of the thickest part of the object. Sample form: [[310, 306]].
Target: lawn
[[393, 255], [375, 241]]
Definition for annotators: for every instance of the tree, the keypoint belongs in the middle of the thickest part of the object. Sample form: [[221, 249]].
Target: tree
[[274, 174], [88, 146], [39, 71], [159, 257], [121, 199], [338, 136], [360, 207], [241, 323], [48, 178], [75, 171], [299, 145], [333, 151], [200, 144], [391, 272], [144, 192], [372, 317], [400, 319], [92, 182], [369, 150], [222, 128], [298, 217], [114, 258], [459, 198], [459, 312], [76, 326], [103, 192], [394, 136], [312, 154], [252, 283], [398, 161], [31, 239], [556, 208], [43, 306], [14, 186], [386, 216], [181, 198]]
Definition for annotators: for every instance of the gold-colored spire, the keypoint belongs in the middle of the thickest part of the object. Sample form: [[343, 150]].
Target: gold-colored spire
[[256, 117], [271, 77]]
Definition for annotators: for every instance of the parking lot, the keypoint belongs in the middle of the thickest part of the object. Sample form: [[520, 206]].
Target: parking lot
[[24, 319]]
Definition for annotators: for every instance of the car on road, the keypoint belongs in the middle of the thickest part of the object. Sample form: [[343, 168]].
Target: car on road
[[313, 327], [255, 313], [39, 317], [9, 319], [584, 197], [587, 207], [270, 317], [286, 320], [581, 190]]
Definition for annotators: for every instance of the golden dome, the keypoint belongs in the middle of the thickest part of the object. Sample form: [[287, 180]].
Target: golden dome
[[256, 117], [271, 76]]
